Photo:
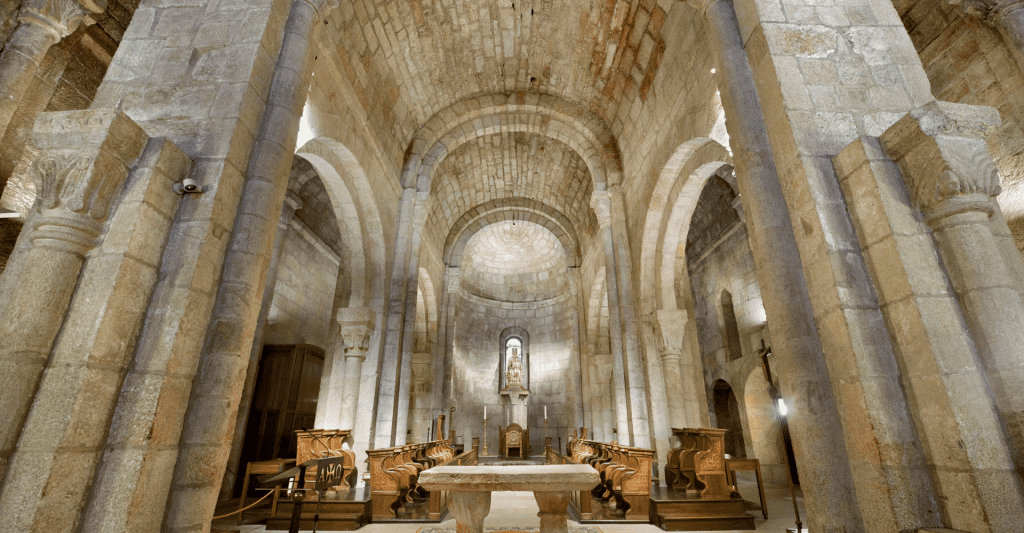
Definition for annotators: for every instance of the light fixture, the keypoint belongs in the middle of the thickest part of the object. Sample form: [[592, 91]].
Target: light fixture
[[782, 407], [712, 71]]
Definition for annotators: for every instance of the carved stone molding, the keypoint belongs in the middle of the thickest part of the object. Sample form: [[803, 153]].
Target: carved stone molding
[[941, 151], [61, 17], [670, 325], [601, 202], [356, 327]]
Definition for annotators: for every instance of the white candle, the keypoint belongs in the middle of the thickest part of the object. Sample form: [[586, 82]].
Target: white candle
[[485, 412], [545, 412]]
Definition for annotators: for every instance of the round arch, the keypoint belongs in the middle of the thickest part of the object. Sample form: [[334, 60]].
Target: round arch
[[545, 115], [352, 198], [499, 210], [673, 201]]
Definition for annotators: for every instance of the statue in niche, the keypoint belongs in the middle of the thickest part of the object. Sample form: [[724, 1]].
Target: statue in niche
[[514, 374]]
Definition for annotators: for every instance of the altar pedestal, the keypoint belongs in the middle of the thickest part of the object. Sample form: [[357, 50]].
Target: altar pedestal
[[471, 487], [516, 400]]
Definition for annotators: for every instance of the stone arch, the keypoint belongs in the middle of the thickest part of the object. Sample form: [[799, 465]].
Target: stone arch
[[673, 201], [426, 313], [500, 210], [355, 206], [541, 114]]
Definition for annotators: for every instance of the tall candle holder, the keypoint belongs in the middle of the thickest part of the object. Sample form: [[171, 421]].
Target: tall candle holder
[[485, 436]]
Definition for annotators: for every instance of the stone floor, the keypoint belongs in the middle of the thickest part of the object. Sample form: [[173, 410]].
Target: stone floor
[[518, 509]]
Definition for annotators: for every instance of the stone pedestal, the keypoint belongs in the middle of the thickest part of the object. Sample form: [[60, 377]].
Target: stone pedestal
[[515, 399], [471, 488]]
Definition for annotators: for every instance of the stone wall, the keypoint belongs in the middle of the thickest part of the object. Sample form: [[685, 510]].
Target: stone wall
[[479, 323], [304, 295]]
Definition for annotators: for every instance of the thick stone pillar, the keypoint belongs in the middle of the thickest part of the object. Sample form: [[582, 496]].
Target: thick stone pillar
[[817, 432], [604, 375], [576, 367], [636, 376], [66, 428], [446, 337], [400, 328], [601, 203], [941, 151], [42, 24], [951, 401], [355, 327], [292, 203], [671, 324], [76, 177], [217, 387]]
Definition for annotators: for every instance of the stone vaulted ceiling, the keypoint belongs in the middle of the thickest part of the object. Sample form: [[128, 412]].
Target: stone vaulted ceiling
[[412, 58], [509, 165]]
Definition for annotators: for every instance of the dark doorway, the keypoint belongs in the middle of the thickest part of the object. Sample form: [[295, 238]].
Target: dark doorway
[[727, 416]]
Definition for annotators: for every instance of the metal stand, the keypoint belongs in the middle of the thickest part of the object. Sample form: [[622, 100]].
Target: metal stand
[[485, 437]]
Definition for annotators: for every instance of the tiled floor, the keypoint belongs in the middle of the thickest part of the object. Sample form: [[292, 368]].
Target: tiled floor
[[520, 509]]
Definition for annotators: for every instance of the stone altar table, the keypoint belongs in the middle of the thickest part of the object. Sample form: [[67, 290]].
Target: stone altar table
[[471, 488]]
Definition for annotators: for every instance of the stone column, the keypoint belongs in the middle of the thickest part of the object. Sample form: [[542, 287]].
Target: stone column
[[554, 510], [216, 389], [606, 419], [355, 327], [42, 24], [76, 177], [671, 324], [601, 203], [817, 431], [66, 428], [941, 151], [469, 510], [635, 375], [292, 203], [446, 336], [400, 326]]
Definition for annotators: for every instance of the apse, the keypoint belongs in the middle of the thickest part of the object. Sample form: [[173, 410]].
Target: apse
[[513, 286]]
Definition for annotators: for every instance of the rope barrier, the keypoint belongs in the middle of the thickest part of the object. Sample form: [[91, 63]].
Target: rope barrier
[[246, 508]]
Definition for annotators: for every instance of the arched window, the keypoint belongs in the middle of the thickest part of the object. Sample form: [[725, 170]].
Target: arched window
[[732, 330], [515, 344]]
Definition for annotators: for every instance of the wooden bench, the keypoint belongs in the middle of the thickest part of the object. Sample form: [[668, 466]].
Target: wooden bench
[[394, 476], [625, 474]]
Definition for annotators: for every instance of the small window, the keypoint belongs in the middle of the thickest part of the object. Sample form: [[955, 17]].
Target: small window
[[732, 330]]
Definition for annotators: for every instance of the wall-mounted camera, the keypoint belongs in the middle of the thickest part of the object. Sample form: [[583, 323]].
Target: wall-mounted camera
[[187, 186]]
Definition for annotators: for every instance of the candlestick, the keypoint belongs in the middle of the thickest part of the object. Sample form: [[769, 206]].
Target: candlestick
[[485, 412], [545, 412]]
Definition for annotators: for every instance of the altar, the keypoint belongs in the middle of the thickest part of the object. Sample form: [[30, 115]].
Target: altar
[[470, 488]]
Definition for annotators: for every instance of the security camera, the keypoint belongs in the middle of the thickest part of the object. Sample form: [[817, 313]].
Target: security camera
[[187, 185]]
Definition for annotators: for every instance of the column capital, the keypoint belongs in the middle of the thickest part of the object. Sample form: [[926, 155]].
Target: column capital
[[941, 151], [84, 159], [670, 324], [600, 201], [356, 326], [60, 17]]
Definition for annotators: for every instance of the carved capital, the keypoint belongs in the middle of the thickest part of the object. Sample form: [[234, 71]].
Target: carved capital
[[453, 275], [600, 201], [941, 151], [356, 327], [84, 159], [670, 325], [60, 17]]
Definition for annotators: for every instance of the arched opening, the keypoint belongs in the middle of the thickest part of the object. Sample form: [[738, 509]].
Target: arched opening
[[727, 416]]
